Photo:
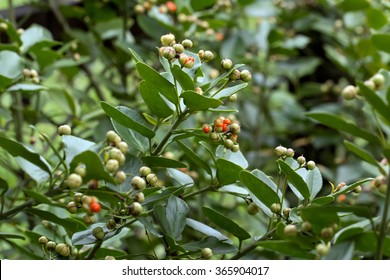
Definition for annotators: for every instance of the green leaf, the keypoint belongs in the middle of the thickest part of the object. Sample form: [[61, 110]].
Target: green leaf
[[12, 71], [168, 192], [341, 251], [295, 180], [153, 100], [350, 187], [4, 235], [381, 42], [131, 137], [166, 88], [286, 247], [18, 150], [194, 157], [86, 237], [375, 101], [172, 217], [37, 36], [180, 177], [70, 225], [126, 117], [217, 246], [153, 161], [105, 194], [349, 232], [25, 87], [183, 78], [237, 158], [259, 188], [314, 182], [229, 91], [363, 154], [342, 125], [135, 55], [207, 230], [197, 102], [38, 197], [225, 223], [323, 200], [35, 172], [93, 166], [319, 217], [3, 186], [368, 242], [353, 5], [147, 222], [198, 5], [376, 18], [227, 171], [74, 146]]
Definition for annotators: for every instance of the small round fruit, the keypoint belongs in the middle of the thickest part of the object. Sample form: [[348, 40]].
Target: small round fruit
[[3, 26], [349, 92], [110, 258], [306, 226], [252, 208], [276, 208], [51, 245], [206, 128], [311, 165], [80, 169], [245, 75], [95, 207], [207, 56], [115, 153], [226, 63], [228, 144], [322, 249], [379, 80], [64, 130], [235, 128], [145, 171], [152, 179], [110, 135], [135, 209], [139, 197], [280, 151], [72, 207], [290, 231], [286, 212], [138, 183], [98, 233], [112, 165], [62, 249], [301, 160], [232, 98], [179, 48], [187, 43], [88, 219], [167, 39], [327, 233], [120, 177], [358, 189], [43, 240], [214, 136], [290, 152], [78, 197], [235, 75], [74, 181], [206, 253], [111, 224], [370, 84], [235, 148]]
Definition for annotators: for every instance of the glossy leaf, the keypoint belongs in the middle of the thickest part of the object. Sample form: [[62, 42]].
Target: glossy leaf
[[135, 55], [350, 187], [376, 18], [172, 217], [3, 186], [353, 5], [314, 182], [226, 92], [148, 224], [295, 179], [131, 137], [86, 237], [225, 223], [182, 78], [381, 42], [342, 125], [259, 188], [38, 196], [341, 251], [363, 154], [349, 232], [18, 150], [35, 172], [153, 161], [127, 117], [13, 70], [368, 242], [180, 177], [288, 248], [166, 88], [237, 158], [197, 102], [153, 100], [207, 230], [168, 192], [74, 146], [217, 246], [4, 235], [227, 171], [25, 87], [36, 35], [194, 157]]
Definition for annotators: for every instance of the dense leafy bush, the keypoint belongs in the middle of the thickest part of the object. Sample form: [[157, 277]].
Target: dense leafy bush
[[137, 133]]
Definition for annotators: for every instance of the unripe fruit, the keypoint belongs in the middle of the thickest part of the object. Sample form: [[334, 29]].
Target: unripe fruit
[[378, 80], [169, 53], [110, 135], [152, 179], [370, 84], [138, 183], [122, 160], [80, 169], [286, 212], [290, 231], [74, 181], [86, 200], [228, 143], [135, 209], [167, 39], [301, 160], [72, 207], [226, 64], [311, 165], [120, 177], [145, 171], [322, 249], [110, 258], [245, 75], [20, 31], [111, 224], [139, 9], [187, 43], [112, 165], [235, 128], [306, 226], [3, 26], [232, 98], [51, 245], [139, 197], [62, 249], [276, 208], [214, 136], [115, 153], [64, 130], [117, 140], [201, 54], [207, 253], [98, 233], [327, 233], [207, 56], [383, 188], [35, 80], [349, 92], [235, 75], [88, 219], [43, 240], [179, 48], [235, 148], [290, 152], [26, 72], [253, 209], [358, 189], [78, 197], [280, 151], [199, 90], [188, 62]]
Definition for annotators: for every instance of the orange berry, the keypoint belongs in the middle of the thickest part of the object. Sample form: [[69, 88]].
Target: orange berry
[[171, 6], [224, 127], [227, 121], [341, 198], [95, 207]]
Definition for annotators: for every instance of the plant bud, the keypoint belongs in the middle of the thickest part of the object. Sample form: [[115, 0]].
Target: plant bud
[[135, 209], [152, 179], [64, 130], [186, 61], [290, 231], [167, 39], [139, 197], [207, 56], [290, 152], [51, 245], [179, 48], [138, 183], [187, 43], [169, 53], [379, 80], [286, 212], [145, 171], [311, 165], [349, 92], [301, 160], [245, 75], [98, 233], [322, 249], [280, 151], [43, 240], [72, 207], [276, 208], [253, 209], [74, 181], [206, 253], [226, 64], [62, 249], [112, 165], [235, 75], [120, 177]]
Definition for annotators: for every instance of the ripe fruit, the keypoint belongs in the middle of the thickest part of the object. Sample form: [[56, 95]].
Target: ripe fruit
[[138, 183], [62, 249], [93, 184], [135, 209], [64, 129], [226, 63], [349, 92], [171, 6], [290, 231], [206, 128], [98, 233], [207, 253], [74, 181], [188, 62], [95, 206]]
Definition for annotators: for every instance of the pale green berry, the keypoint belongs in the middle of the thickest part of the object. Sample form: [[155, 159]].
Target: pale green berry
[[349, 92], [276, 208], [138, 183], [64, 130], [322, 249], [112, 165], [379, 80], [145, 171], [290, 230], [120, 177], [187, 43], [135, 209], [226, 64], [72, 207], [167, 39], [43, 240], [311, 165], [245, 75], [74, 181], [62, 249], [98, 233], [280, 151], [206, 253]]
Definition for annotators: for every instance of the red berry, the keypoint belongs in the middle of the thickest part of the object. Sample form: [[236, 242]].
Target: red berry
[[224, 127], [171, 6], [95, 207], [227, 121], [206, 128]]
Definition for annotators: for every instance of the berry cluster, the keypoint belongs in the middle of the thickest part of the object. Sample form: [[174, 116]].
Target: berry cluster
[[244, 75], [61, 248], [31, 75], [284, 152], [376, 82], [89, 204], [380, 183], [224, 129]]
